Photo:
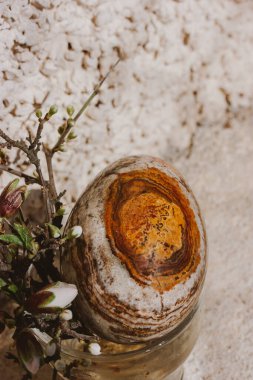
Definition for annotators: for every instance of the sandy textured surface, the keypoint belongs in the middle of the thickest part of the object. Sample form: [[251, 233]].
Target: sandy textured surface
[[184, 92]]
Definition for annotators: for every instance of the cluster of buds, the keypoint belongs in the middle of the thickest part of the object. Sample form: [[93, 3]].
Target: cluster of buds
[[53, 298], [27, 244], [73, 233], [52, 110], [12, 198]]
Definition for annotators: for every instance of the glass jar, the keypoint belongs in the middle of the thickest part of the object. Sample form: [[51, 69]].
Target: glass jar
[[159, 360]]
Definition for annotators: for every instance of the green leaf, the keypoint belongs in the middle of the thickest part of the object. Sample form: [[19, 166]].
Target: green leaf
[[60, 211], [13, 288], [11, 239], [13, 184], [2, 283], [25, 235], [55, 232]]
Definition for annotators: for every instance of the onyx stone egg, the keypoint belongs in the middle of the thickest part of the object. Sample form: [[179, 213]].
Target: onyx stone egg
[[140, 264]]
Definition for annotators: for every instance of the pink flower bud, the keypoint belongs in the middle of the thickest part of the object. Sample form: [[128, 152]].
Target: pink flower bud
[[52, 298], [29, 351], [11, 198]]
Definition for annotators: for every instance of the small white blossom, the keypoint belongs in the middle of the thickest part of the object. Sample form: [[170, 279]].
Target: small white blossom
[[75, 232], [66, 315], [94, 349]]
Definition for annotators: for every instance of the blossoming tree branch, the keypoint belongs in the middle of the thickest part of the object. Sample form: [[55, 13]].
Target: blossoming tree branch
[[29, 276]]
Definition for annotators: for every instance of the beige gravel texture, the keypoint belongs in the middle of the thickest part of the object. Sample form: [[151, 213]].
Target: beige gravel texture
[[184, 92]]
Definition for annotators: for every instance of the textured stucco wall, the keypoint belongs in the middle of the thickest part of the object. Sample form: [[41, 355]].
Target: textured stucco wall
[[183, 92]]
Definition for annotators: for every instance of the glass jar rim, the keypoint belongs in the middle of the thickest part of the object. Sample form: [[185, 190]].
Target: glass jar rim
[[148, 348]]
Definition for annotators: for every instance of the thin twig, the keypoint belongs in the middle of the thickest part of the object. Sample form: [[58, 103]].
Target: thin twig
[[4, 145], [60, 195], [49, 191], [52, 186], [29, 138], [20, 211], [17, 144], [45, 193], [38, 105], [95, 92], [66, 329], [36, 141], [68, 127], [28, 178]]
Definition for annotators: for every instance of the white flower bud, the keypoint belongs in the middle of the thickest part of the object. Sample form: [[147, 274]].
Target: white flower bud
[[66, 315], [74, 232], [94, 349], [52, 298]]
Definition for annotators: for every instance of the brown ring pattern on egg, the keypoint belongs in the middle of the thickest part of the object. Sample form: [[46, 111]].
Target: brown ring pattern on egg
[[151, 228]]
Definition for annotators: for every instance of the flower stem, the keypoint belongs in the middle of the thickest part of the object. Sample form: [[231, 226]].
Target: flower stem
[[82, 109], [28, 178]]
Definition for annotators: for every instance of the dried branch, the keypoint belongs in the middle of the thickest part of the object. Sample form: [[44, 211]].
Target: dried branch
[[52, 186], [67, 330], [17, 144], [28, 178], [4, 145], [36, 141], [37, 105], [69, 126], [27, 245]]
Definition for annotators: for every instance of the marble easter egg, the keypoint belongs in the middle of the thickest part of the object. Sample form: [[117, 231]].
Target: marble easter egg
[[140, 263]]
